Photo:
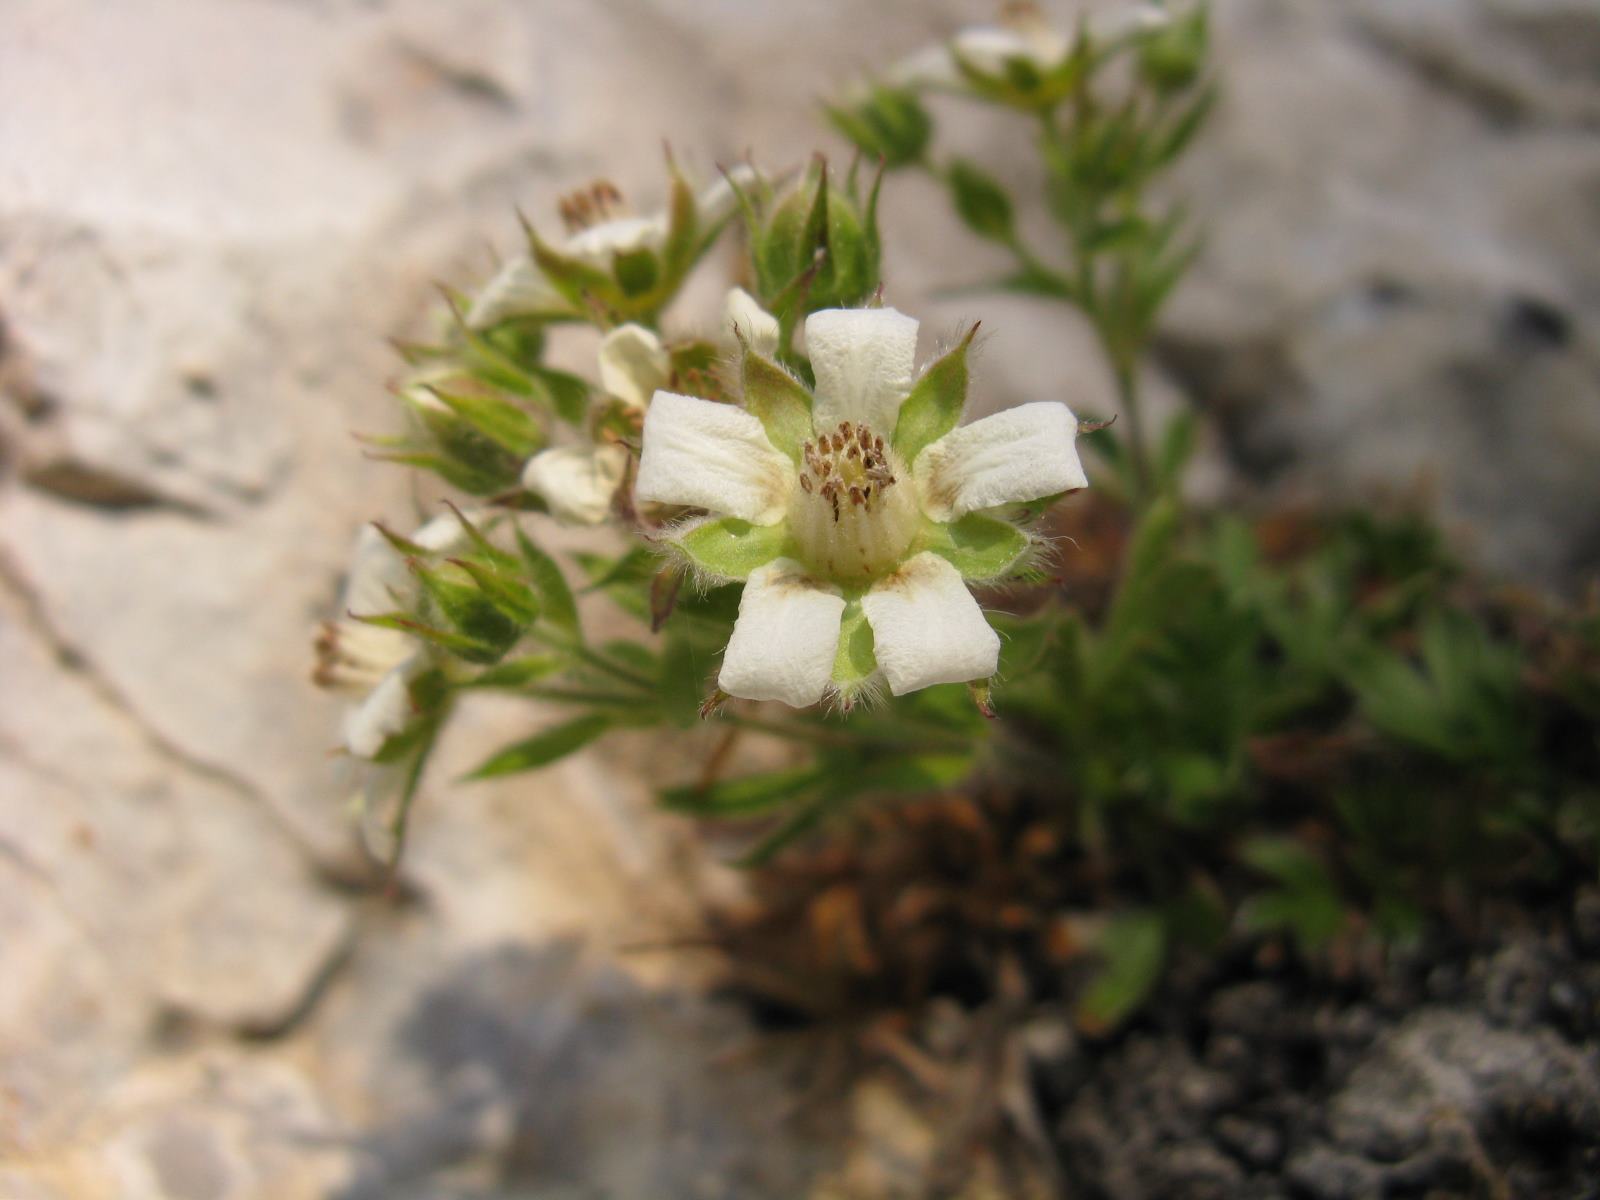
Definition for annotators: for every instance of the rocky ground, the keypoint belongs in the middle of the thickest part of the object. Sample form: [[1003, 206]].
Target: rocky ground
[[210, 219]]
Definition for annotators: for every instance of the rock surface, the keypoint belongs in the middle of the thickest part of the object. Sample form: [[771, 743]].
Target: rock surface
[[211, 217]]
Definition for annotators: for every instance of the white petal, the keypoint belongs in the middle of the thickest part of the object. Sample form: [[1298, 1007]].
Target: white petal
[[931, 66], [379, 580], [987, 48], [741, 311], [577, 482], [633, 364], [386, 711], [863, 359], [927, 628], [601, 243], [1020, 454], [719, 200], [786, 637], [518, 289], [712, 456], [444, 534]]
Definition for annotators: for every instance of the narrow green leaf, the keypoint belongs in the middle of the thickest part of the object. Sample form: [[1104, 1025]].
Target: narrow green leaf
[[544, 747], [780, 402], [749, 796], [516, 672], [730, 548], [1134, 947], [560, 607], [935, 403]]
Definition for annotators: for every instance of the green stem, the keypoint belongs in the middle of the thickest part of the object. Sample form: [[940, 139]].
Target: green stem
[[598, 661], [1127, 377]]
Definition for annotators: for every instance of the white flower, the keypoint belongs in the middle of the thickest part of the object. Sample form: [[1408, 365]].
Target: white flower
[[1023, 36], [578, 482], [743, 316], [373, 663], [816, 507], [521, 289]]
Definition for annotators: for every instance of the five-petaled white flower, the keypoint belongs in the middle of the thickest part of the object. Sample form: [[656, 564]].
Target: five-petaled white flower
[[857, 514]]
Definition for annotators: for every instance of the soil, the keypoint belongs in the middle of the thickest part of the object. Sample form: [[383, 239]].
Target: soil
[[1464, 1065]]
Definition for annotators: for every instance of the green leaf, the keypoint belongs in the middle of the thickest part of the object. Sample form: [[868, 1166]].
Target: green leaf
[[1134, 947], [749, 796], [560, 607], [855, 660], [517, 672], [730, 548], [567, 395], [981, 201], [495, 417], [544, 747], [779, 400], [980, 547], [935, 403], [1306, 903]]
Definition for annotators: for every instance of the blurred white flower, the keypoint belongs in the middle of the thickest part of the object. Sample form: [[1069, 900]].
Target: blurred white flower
[[373, 664], [743, 316], [600, 226]]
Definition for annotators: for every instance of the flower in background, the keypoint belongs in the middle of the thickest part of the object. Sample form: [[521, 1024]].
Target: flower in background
[[1022, 59], [578, 482], [856, 514], [626, 264], [377, 665]]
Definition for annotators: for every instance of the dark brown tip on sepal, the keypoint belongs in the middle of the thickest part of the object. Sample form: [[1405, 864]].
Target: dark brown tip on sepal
[[982, 693], [713, 703]]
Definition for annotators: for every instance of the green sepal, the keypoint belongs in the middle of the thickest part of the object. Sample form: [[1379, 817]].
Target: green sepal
[[559, 604], [502, 422], [490, 621], [934, 406], [637, 272], [856, 660], [730, 548], [573, 278], [981, 548], [458, 644], [779, 401], [682, 245]]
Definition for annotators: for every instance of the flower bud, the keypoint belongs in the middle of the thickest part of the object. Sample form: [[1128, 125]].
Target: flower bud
[[1171, 57], [889, 124], [815, 245]]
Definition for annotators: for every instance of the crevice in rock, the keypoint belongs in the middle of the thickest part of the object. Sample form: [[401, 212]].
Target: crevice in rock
[[35, 620], [85, 483]]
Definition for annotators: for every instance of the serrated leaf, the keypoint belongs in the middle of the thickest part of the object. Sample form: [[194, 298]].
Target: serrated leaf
[[730, 548], [934, 406], [779, 401], [543, 748]]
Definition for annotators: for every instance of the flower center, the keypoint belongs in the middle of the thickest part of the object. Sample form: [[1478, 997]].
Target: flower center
[[854, 514], [599, 202]]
